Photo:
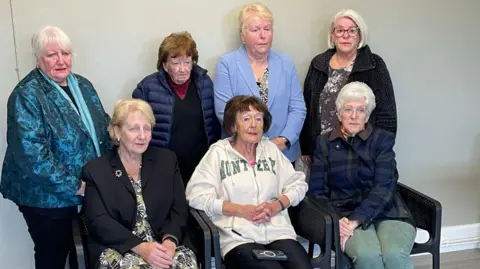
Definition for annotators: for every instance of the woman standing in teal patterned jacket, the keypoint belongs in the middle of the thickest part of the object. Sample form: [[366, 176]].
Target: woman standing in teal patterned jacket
[[55, 124]]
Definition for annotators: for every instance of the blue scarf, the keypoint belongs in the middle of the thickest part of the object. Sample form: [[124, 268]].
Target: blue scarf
[[82, 106]]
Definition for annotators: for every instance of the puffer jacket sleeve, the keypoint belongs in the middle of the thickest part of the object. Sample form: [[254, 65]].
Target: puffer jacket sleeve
[[139, 92]]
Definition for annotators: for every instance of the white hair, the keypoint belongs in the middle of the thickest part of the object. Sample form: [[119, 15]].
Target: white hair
[[255, 9], [356, 91], [356, 18], [49, 35]]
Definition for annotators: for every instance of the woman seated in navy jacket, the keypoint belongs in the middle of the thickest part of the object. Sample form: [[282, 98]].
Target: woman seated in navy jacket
[[135, 199], [354, 173]]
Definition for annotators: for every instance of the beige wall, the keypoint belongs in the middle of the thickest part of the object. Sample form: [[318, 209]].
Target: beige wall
[[430, 46], [15, 244]]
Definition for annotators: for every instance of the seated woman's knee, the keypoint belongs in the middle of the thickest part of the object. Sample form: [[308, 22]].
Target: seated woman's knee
[[366, 254], [363, 253], [395, 256]]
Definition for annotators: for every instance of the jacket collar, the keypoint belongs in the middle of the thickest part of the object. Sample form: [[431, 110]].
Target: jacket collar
[[364, 134], [274, 73], [57, 99], [363, 62], [45, 85], [118, 170]]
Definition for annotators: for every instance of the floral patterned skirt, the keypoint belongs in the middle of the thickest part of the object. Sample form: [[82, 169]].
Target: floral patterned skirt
[[184, 258]]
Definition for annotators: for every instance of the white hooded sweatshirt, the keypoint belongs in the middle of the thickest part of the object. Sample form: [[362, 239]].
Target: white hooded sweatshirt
[[225, 175]]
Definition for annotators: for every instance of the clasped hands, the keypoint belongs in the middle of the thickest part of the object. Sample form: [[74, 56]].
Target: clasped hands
[[346, 230], [156, 254], [261, 213]]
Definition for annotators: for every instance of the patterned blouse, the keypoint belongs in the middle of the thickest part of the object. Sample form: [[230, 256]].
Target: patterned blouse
[[263, 87], [337, 78], [111, 259]]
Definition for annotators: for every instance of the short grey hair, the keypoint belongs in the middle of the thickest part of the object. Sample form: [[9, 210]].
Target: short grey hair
[[49, 35], [357, 19], [356, 91], [255, 9]]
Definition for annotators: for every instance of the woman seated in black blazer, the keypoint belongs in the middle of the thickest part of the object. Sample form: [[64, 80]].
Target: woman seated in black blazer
[[135, 199]]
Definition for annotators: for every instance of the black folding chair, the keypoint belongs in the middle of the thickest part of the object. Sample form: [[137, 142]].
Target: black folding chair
[[309, 222], [427, 215]]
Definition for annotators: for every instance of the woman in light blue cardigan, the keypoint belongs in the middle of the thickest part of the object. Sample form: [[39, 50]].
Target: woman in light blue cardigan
[[254, 69]]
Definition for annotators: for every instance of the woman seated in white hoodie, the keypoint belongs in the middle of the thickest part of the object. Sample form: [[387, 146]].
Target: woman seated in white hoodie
[[245, 184]]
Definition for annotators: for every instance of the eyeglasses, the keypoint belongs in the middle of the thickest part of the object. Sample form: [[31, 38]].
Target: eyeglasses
[[350, 110], [339, 32]]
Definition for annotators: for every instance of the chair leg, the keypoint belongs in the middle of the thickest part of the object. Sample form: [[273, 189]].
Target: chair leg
[[436, 260], [310, 250]]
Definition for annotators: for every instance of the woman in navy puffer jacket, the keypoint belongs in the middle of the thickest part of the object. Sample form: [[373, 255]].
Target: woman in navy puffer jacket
[[181, 96]]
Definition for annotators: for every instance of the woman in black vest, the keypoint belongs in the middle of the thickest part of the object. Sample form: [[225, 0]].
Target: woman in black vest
[[181, 96]]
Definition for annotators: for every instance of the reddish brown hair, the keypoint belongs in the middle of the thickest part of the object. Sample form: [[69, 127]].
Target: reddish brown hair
[[175, 45]]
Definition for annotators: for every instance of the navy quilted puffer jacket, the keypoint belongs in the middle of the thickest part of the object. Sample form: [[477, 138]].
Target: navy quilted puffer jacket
[[155, 90]]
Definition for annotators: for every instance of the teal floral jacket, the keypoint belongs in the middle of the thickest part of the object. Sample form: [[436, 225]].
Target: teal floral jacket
[[48, 144]]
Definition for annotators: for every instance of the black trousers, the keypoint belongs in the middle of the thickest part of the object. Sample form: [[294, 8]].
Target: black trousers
[[52, 234], [241, 256]]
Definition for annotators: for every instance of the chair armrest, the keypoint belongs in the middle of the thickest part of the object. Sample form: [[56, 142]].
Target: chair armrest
[[215, 238], [202, 233], [426, 211], [314, 224], [341, 260]]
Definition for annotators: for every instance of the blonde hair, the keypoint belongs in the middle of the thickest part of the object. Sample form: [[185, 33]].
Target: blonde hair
[[357, 19], [125, 107], [255, 9], [49, 35]]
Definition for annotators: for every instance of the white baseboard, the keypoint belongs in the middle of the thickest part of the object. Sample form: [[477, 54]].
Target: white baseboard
[[455, 238], [460, 237]]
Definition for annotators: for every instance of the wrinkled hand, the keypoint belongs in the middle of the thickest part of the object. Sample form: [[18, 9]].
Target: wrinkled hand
[[81, 191], [271, 208], [280, 142], [345, 228], [255, 214], [343, 242], [154, 254], [307, 159], [170, 246]]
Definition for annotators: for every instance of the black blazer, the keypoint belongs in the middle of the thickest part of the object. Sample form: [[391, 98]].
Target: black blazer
[[368, 68], [110, 201]]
